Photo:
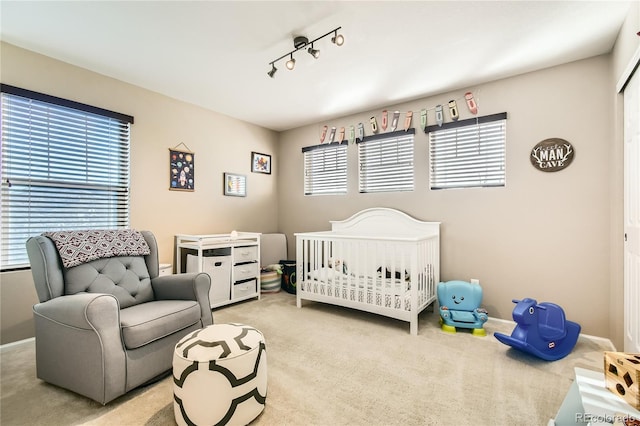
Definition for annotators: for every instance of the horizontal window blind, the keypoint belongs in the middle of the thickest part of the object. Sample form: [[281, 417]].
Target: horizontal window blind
[[325, 169], [62, 169], [386, 162], [469, 155]]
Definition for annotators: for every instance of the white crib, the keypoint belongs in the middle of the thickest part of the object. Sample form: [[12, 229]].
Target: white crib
[[379, 260]]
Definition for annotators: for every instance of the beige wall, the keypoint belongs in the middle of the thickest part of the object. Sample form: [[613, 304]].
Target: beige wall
[[221, 144], [549, 236], [544, 235]]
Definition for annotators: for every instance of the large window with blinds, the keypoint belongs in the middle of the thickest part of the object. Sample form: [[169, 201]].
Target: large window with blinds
[[65, 165], [325, 169], [386, 162], [468, 153]]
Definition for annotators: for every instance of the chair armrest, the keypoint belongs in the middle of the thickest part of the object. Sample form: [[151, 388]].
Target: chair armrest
[[181, 286], [444, 312], [79, 345], [193, 286], [481, 314], [86, 311]]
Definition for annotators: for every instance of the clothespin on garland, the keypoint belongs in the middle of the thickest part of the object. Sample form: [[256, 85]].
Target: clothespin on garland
[[439, 110]]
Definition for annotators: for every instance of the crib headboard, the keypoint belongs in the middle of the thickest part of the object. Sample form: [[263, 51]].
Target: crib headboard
[[382, 221]]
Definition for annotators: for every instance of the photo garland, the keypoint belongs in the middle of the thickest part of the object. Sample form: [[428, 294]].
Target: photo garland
[[399, 120], [181, 170]]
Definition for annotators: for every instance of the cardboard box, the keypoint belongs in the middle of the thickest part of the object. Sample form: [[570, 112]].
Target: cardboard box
[[622, 376]]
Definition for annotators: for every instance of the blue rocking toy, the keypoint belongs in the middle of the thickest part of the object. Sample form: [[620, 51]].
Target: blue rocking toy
[[460, 307], [541, 330]]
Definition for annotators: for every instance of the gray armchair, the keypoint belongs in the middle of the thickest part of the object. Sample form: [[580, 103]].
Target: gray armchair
[[109, 325]]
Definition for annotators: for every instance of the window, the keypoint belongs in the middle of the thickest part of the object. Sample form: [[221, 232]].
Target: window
[[386, 162], [325, 169], [468, 153], [65, 165]]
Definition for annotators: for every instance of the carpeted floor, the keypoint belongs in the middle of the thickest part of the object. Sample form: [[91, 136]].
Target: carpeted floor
[[335, 366]]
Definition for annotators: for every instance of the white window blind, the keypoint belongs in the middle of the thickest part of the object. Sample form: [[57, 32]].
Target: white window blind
[[325, 169], [468, 153], [386, 162], [65, 166]]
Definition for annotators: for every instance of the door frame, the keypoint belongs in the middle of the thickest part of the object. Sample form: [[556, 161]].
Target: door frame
[[631, 333]]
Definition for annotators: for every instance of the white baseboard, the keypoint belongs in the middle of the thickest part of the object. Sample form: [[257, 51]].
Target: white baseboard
[[601, 340], [16, 343]]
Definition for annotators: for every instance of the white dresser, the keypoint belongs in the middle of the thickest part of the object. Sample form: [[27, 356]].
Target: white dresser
[[232, 261], [164, 269]]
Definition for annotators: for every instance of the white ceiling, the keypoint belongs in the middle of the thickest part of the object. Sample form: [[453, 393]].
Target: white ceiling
[[216, 54]]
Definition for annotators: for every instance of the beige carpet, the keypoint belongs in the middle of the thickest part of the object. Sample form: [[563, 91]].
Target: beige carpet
[[336, 366]]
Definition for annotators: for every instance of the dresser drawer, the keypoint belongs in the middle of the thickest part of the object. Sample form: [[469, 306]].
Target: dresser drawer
[[245, 271], [245, 288], [245, 254]]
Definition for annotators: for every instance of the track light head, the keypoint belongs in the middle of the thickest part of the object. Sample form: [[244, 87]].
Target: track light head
[[337, 39], [291, 63], [314, 52], [273, 70]]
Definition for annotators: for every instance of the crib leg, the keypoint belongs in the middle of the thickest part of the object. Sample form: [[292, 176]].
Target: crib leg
[[413, 327], [298, 302]]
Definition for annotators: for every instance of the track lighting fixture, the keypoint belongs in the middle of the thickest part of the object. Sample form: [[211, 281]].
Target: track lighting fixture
[[301, 42], [273, 70]]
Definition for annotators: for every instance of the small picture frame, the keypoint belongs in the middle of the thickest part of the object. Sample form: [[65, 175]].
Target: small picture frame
[[181, 170], [235, 185], [260, 163]]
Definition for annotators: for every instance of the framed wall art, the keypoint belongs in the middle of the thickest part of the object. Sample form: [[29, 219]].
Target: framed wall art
[[181, 170], [235, 185], [552, 155], [260, 163]]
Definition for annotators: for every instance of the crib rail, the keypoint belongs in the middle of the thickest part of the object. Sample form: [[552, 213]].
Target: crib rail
[[395, 277]]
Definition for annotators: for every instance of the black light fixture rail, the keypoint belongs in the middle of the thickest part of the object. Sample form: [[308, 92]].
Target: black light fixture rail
[[301, 42]]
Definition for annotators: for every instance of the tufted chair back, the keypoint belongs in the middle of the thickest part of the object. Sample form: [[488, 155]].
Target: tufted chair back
[[128, 278]]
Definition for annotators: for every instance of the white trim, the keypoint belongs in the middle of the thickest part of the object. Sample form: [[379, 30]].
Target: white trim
[[504, 321], [598, 339], [595, 339], [16, 343], [628, 71]]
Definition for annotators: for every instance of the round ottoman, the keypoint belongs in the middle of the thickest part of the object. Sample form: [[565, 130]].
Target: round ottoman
[[220, 376]]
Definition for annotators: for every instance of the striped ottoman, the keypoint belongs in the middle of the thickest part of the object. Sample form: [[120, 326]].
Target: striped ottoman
[[220, 376]]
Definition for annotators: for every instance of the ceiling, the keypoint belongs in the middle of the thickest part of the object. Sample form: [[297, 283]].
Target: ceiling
[[216, 54]]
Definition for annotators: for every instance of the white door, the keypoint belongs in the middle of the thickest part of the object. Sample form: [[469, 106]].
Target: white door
[[632, 214]]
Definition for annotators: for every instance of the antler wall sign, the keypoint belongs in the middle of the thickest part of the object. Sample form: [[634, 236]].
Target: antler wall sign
[[551, 155]]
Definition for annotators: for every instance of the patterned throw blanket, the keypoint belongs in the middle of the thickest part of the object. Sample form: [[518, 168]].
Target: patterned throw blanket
[[78, 247]]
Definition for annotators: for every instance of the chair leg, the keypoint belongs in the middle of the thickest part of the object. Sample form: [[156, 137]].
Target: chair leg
[[479, 332], [448, 329]]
